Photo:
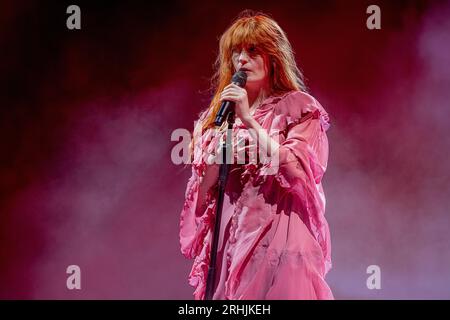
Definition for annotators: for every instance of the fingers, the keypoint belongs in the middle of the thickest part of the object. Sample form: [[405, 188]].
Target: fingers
[[234, 93], [232, 85], [230, 98], [232, 89]]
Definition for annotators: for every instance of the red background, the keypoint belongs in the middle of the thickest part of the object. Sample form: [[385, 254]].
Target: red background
[[86, 176]]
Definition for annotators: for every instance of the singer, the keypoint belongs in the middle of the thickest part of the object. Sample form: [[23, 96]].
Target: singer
[[274, 240]]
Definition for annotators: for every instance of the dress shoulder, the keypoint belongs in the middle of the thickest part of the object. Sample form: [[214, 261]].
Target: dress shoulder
[[298, 106]]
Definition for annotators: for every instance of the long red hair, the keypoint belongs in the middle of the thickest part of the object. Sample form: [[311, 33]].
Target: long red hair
[[253, 29]]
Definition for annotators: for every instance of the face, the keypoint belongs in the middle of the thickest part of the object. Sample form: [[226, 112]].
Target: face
[[253, 63]]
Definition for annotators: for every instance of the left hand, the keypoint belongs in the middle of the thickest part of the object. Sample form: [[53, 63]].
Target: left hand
[[238, 95]]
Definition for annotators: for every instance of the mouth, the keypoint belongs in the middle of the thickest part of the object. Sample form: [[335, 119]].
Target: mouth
[[244, 69]]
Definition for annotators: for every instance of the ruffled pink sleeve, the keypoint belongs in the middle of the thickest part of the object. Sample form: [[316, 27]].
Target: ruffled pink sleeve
[[303, 152], [302, 162], [194, 225]]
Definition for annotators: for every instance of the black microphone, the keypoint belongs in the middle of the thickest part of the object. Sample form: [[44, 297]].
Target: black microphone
[[240, 79]]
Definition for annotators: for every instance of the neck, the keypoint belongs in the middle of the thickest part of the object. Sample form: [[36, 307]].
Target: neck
[[256, 96]]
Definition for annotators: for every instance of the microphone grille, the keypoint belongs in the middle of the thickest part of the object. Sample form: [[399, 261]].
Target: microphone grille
[[240, 78]]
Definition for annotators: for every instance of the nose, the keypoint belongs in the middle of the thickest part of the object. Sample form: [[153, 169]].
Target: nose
[[242, 58]]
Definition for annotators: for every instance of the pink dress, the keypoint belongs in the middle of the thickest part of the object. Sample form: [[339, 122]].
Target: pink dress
[[274, 240]]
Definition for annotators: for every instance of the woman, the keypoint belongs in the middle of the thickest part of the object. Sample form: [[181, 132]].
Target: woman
[[274, 240]]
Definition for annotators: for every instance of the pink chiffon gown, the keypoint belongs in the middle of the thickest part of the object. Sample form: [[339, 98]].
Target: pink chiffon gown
[[274, 240]]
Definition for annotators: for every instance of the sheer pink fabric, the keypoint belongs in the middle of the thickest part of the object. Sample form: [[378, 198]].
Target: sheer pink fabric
[[274, 240]]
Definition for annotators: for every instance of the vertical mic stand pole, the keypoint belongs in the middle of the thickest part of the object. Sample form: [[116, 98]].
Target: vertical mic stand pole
[[223, 175]]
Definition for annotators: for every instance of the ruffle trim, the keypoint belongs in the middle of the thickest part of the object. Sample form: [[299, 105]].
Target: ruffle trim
[[255, 173], [192, 241]]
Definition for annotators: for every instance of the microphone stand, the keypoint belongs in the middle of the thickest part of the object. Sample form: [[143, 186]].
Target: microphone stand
[[223, 175]]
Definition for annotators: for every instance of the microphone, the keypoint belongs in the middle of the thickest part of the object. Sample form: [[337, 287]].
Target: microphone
[[240, 79]]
